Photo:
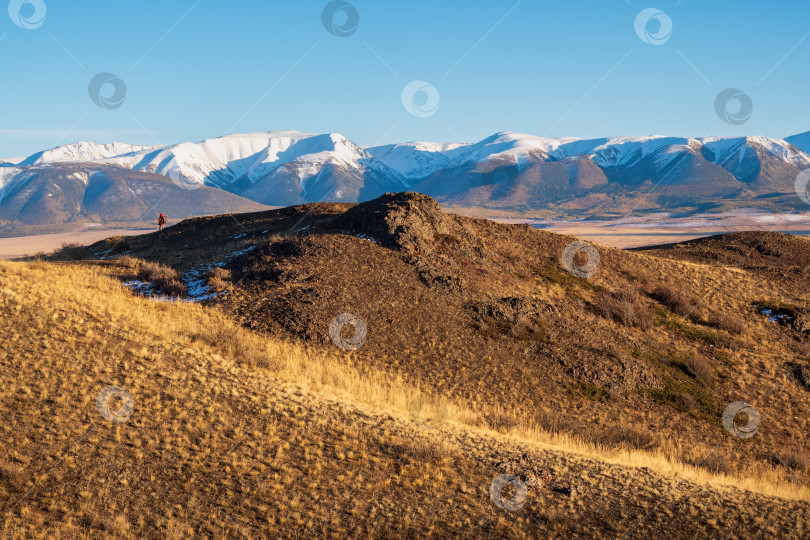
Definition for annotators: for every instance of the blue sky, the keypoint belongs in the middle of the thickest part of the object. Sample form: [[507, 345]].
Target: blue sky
[[198, 69]]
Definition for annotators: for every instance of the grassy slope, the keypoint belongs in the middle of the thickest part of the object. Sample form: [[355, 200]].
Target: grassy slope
[[546, 369], [238, 435]]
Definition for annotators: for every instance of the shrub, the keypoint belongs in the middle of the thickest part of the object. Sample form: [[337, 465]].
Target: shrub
[[14, 474], [697, 367], [802, 374], [217, 278], [218, 272], [727, 323], [588, 390], [674, 387], [716, 463], [686, 403], [623, 437], [701, 335], [789, 460], [626, 308], [685, 305], [128, 261], [500, 421], [117, 244], [163, 278], [151, 271], [68, 252], [172, 287]]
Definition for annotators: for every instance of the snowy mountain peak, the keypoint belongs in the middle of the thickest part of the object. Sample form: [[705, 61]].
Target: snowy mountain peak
[[82, 152], [250, 157]]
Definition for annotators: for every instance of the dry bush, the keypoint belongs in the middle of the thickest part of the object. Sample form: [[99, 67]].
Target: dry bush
[[417, 449], [117, 244], [68, 252], [218, 278], [217, 284], [500, 421], [626, 307], [163, 278], [128, 261], [686, 403], [218, 272], [789, 460], [151, 271], [14, 474], [118, 525], [715, 463], [698, 367], [685, 305], [622, 437], [426, 451], [553, 422], [726, 322], [172, 287]]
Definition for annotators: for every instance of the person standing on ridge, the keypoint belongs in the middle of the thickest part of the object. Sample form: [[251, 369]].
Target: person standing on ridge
[[161, 222]]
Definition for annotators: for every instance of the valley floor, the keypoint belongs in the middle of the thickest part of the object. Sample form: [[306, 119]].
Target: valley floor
[[657, 229], [26, 246]]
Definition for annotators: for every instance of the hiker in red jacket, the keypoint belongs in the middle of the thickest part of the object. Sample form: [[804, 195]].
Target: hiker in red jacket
[[161, 222]]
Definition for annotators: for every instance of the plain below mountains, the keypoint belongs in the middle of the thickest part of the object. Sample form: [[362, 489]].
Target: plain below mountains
[[36, 197], [507, 171]]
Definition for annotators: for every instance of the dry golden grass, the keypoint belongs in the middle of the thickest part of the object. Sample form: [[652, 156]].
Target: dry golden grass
[[165, 279], [236, 434], [218, 278]]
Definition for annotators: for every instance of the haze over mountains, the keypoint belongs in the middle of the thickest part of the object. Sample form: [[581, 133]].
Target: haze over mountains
[[508, 171]]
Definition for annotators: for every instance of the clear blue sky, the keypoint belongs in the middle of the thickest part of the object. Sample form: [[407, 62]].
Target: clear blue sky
[[573, 68]]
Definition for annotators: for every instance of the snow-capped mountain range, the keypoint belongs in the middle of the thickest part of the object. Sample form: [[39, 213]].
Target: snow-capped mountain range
[[505, 170]]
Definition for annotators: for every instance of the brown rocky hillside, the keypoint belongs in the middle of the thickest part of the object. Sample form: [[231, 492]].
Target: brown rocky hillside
[[641, 358]]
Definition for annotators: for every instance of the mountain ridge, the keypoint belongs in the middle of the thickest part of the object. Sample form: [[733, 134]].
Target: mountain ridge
[[65, 193], [507, 170]]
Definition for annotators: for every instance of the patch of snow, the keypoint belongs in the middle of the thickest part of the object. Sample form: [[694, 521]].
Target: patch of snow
[[145, 289], [364, 236], [195, 282], [196, 287], [81, 177], [775, 316]]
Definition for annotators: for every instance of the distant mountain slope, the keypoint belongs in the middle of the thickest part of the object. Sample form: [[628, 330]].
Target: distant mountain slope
[[71, 192], [506, 170]]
